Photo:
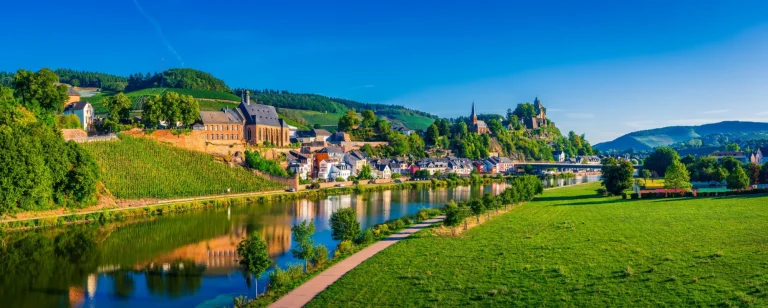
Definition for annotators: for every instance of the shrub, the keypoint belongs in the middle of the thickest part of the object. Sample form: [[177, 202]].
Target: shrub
[[422, 215], [381, 230], [406, 221], [365, 237], [396, 224], [345, 246], [280, 278], [321, 255], [601, 191]]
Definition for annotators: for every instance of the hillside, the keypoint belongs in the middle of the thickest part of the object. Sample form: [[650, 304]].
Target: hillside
[[665, 136], [135, 168]]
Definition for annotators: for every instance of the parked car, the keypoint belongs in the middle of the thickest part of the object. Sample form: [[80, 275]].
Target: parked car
[[291, 189], [340, 185], [398, 181]]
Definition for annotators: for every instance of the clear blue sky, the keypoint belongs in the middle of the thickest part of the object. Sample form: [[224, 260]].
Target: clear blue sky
[[602, 68]]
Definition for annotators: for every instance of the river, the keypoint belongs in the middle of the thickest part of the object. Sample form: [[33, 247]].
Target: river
[[184, 259]]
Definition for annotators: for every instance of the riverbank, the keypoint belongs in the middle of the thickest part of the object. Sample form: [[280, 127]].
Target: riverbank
[[140, 208]]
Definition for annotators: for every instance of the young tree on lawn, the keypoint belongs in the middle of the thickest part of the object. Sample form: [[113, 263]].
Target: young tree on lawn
[[677, 176], [344, 224], [477, 207], [738, 179], [617, 175], [305, 245], [646, 175], [254, 256]]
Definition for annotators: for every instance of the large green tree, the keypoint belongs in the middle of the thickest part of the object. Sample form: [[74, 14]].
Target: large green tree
[[660, 160], [369, 119], [738, 179], [348, 121], [344, 224], [172, 108], [119, 107], [432, 135], [525, 111], [39, 93], [305, 245], [617, 175], [676, 176]]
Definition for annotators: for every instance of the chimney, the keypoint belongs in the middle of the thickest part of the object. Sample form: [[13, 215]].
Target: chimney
[[247, 97]]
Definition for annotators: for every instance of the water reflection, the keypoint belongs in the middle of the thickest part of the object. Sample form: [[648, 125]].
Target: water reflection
[[180, 260]]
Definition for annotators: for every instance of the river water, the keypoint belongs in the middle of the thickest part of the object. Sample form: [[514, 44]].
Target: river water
[[186, 259]]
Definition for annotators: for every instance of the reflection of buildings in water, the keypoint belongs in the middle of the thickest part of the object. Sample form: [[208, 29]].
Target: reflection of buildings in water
[[91, 285], [359, 206], [277, 234], [329, 205], [305, 210], [76, 296], [386, 204]]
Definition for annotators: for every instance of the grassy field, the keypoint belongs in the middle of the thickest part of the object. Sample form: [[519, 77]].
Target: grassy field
[[134, 168], [571, 247]]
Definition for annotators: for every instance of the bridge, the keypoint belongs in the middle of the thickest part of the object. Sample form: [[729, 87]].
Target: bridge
[[563, 166]]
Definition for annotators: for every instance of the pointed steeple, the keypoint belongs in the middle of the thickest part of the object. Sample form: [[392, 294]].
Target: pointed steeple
[[473, 116]]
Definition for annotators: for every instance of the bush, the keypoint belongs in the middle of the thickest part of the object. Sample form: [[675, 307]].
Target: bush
[[321, 255], [634, 196], [280, 278], [344, 224], [422, 215], [396, 225], [601, 191], [345, 246], [339, 179], [365, 237], [406, 221], [381, 230]]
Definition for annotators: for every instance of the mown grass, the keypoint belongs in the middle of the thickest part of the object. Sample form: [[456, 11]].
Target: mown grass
[[570, 247], [142, 168]]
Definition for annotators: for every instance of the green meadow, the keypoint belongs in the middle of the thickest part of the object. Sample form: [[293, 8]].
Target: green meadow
[[571, 247]]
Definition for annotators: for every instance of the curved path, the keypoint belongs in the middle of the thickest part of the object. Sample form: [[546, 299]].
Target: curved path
[[305, 292]]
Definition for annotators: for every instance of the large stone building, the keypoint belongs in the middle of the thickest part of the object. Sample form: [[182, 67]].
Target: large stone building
[[540, 119], [251, 123], [477, 126]]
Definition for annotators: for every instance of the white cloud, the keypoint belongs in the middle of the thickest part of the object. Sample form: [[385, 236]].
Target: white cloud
[[639, 124], [554, 110]]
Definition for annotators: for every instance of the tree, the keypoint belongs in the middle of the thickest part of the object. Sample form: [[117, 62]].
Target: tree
[[525, 111], [416, 145], [344, 224], [763, 178], [660, 160], [738, 179], [369, 119], [617, 175], [364, 173], [118, 107], [38, 93], [254, 256], [754, 173], [646, 174], [348, 121], [688, 159], [432, 135], [676, 176], [189, 109], [395, 176], [732, 147], [317, 126], [305, 245], [477, 207], [730, 163], [719, 174], [444, 127]]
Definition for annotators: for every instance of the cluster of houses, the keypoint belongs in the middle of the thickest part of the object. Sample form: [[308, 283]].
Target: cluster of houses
[[333, 162], [759, 157]]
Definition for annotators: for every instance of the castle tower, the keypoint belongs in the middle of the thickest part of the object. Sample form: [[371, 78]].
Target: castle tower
[[540, 111]]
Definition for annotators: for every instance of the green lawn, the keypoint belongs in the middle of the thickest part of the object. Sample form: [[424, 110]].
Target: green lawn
[[571, 247]]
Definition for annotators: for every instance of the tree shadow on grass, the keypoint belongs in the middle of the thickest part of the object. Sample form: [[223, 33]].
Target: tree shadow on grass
[[568, 198], [601, 201], [678, 198]]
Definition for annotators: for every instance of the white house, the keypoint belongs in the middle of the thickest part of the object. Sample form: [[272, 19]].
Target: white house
[[383, 171], [324, 168], [83, 111], [340, 170], [357, 159], [559, 156]]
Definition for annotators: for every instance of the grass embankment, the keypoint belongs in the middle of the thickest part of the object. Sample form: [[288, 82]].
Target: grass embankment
[[572, 247], [134, 168]]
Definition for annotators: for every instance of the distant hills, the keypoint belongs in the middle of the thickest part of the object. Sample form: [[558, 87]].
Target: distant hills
[[667, 136]]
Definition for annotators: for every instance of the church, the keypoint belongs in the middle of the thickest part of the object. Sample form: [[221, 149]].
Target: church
[[477, 126], [252, 123]]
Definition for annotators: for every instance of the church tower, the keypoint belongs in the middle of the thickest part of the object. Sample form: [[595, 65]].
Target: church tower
[[473, 116]]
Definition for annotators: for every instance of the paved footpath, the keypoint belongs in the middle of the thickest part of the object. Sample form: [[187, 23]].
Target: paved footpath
[[305, 292]]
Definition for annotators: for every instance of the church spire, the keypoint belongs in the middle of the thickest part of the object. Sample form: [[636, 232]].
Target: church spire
[[473, 116]]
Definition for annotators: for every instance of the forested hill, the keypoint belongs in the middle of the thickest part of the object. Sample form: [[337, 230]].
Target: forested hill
[[316, 102], [665, 136]]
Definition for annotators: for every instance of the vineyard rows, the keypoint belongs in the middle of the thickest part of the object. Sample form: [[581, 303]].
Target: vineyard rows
[[134, 168]]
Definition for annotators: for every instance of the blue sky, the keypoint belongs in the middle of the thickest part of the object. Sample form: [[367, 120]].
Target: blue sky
[[603, 68]]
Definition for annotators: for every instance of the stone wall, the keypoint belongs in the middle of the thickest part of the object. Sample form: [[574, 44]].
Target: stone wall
[[193, 140]]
